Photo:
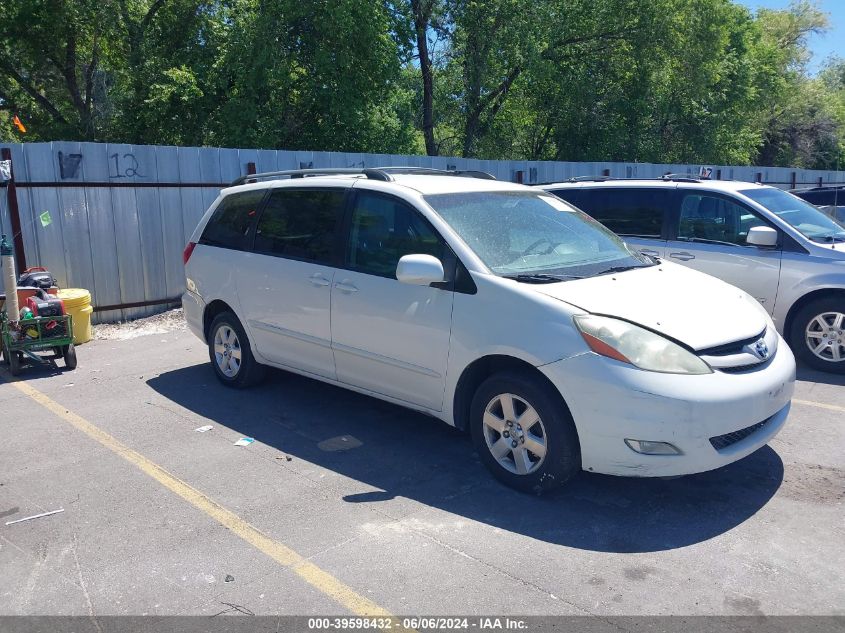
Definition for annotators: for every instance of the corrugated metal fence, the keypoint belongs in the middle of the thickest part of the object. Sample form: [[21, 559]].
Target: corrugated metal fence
[[120, 215]]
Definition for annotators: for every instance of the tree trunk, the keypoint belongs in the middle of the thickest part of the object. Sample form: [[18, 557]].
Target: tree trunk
[[422, 14]]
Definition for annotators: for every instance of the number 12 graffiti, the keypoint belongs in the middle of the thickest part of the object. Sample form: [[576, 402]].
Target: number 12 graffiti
[[130, 166]]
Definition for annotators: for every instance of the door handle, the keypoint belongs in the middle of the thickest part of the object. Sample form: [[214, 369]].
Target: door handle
[[346, 286], [683, 256], [650, 252], [317, 279]]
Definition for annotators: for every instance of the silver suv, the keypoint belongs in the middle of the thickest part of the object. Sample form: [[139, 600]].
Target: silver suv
[[780, 249]]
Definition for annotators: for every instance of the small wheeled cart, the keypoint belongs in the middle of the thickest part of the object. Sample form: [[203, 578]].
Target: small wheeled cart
[[31, 338]]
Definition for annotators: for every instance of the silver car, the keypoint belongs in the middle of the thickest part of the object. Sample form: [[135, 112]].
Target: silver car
[[780, 249]]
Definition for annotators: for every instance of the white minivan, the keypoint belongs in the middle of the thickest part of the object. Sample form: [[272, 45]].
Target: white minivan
[[495, 307]]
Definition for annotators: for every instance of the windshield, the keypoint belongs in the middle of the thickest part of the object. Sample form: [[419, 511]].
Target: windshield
[[811, 221], [521, 233]]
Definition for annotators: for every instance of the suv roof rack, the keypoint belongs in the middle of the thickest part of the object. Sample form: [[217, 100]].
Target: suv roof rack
[[383, 174], [576, 179], [681, 178]]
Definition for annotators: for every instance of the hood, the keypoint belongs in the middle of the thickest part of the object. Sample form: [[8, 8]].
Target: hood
[[688, 306]]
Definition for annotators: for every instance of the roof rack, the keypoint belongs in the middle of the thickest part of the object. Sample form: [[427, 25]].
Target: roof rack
[[383, 174], [681, 178], [591, 178], [576, 179]]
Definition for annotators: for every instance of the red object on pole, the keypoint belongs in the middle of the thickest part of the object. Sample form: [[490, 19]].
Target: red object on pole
[[14, 213]]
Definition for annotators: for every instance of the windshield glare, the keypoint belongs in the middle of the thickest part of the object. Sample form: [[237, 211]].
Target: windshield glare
[[809, 220], [524, 232]]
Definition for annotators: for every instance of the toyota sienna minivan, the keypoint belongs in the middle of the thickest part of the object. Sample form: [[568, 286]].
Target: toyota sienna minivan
[[495, 307]]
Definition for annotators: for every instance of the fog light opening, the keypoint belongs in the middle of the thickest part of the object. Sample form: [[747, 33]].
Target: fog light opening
[[646, 447]]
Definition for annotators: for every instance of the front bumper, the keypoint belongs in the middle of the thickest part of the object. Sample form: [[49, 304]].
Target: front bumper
[[611, 401]]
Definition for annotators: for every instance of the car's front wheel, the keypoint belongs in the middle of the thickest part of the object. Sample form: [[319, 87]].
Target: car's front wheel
[[818, 334], [230, 353], [524, 432]]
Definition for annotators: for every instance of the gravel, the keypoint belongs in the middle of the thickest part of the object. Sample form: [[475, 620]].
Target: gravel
[[170, 321]]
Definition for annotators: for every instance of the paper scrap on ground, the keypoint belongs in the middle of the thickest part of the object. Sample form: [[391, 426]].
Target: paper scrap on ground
[[203, 429], [35, 516], [245, 441], [45, 218]]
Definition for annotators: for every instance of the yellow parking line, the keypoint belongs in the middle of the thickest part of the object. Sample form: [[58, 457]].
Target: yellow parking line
[[309, 572], [820, 405]]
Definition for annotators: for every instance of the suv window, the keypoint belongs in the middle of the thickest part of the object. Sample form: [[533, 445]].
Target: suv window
[[385, 229], [231, 221], [715, 219], [301, 224], [633, 212]]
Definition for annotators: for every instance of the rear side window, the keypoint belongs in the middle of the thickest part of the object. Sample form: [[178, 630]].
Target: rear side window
[[301, 224], [633, 212], [232, 220]]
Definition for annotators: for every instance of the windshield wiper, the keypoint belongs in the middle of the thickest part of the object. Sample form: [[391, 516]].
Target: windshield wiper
[[831, 239], [619, 269], [540, 278]]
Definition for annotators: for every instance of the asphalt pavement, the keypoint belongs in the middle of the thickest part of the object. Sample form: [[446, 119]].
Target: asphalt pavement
[[345, 504]]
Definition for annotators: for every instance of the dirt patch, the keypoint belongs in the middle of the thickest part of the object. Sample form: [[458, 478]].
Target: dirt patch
[[170, 321], [814, 483]]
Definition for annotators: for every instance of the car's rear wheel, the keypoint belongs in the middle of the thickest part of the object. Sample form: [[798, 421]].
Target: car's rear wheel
[[818, 334], [524, 432], [230, 353]]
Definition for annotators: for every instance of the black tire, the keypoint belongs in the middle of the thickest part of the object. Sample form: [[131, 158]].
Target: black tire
[[14, 363], [250, 372], [69, 354], [804, 319], [562, 459]]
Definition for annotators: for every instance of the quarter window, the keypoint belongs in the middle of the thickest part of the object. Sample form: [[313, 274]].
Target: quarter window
[[232, 220], [301, 224], [715, 219], [383, 231], [632, 212]]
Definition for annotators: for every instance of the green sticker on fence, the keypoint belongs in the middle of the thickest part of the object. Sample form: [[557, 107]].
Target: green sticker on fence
[[45, 218]]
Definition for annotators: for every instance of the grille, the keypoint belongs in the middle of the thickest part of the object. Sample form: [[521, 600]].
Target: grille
[[730, 348], [739, 368], [723, 441]]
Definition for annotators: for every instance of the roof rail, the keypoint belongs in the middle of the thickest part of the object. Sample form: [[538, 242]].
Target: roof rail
[[681, 177], [373, 173], [590, 178], [576, 179], [430, 171]]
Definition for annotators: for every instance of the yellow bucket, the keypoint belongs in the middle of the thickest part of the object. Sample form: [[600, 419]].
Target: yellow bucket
[[78, 303]]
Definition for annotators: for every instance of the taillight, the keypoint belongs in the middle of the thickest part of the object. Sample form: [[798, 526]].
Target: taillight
[[186, 254]]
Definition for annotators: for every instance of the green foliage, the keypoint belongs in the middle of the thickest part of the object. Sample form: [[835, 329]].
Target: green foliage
[[660, 81]]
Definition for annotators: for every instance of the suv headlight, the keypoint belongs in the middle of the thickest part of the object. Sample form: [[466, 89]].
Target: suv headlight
[[637, 346]]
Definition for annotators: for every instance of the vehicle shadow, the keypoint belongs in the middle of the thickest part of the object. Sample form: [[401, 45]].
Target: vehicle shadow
[[808, 374], [405, 454]]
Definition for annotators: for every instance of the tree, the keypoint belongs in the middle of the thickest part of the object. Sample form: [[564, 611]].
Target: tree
[[51, 52]]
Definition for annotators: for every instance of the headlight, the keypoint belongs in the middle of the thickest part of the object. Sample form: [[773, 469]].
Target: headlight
[[637, 346]]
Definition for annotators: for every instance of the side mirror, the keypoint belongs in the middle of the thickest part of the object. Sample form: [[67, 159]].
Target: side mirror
[[419, 270], [762, 236]]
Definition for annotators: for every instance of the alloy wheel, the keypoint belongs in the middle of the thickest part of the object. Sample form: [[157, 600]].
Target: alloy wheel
[[515, 434], [227, 351], [825, 336]]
